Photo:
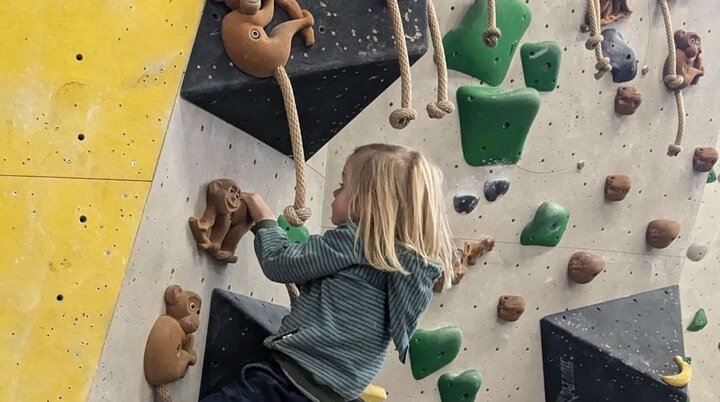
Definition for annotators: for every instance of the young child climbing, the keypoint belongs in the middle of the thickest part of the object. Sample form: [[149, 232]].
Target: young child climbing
[[362, 284]]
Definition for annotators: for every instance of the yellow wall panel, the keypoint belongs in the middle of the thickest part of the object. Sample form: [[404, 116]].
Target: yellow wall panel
[[60, 280], [88, 85]]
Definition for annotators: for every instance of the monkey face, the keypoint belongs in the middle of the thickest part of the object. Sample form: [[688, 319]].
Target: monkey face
[[689, 42], [184, 306], [247, 7], [191, 322], [224, 194]]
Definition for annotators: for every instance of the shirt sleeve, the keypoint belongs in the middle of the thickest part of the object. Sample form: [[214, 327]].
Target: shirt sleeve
[[286, 262]]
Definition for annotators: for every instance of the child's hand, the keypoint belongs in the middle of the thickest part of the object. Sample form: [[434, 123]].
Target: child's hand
[[257, 208]]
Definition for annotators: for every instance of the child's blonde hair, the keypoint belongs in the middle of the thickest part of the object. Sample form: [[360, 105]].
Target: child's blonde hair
[[396, 198]]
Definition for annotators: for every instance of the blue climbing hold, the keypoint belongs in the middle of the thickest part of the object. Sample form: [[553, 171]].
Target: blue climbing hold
[[495, 188], [621, 55], [464, 204]]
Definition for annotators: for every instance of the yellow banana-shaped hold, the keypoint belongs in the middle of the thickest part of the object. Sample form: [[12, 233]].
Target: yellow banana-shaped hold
[[683, 377], [373, 393]]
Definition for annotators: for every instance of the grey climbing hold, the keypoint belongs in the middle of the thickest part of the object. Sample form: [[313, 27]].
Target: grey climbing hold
[[622, 56], [495, 188], [464, 204], [697, 252], [580, 165], [645, 70]]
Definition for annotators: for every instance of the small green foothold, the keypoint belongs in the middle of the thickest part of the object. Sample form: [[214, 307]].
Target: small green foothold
[[459, 388], [432, 350], [547, 227], [699, 321], [494, 123], [466, 52], [688, 359], [541, 64], [712, 176], [296, 234]]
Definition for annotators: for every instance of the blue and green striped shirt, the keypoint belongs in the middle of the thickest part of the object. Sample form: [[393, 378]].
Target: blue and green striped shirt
[[340, 327]]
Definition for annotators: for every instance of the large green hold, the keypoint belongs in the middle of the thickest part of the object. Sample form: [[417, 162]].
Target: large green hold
[[495, 122], [432, 350], [541, 64], [296, 234], [547, 227], [466, 52], [699, 321], [459, 388]]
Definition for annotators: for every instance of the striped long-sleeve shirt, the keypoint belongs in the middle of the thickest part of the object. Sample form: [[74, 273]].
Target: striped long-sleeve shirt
[[340, 327]]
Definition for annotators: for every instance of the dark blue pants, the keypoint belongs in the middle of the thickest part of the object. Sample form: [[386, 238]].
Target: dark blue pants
[[259, 382]]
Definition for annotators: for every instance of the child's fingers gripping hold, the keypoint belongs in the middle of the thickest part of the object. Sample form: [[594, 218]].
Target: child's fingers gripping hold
[[257, 207]]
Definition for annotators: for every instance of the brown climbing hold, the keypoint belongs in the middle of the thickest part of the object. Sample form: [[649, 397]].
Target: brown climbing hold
[[584, 267], [689, 65], [227, 219], [627, 100], [510, 308], [704, 159], [610, 11], [459, 269], [477, 248], [169, 348], [617, 187], [661, 232]]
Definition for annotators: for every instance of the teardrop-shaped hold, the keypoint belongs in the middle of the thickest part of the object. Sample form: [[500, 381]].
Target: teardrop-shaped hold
[[617, 187], [459, 388], [704, 159], [465, 204], [296, 234], [547, 227], [661, 232], [431, 350], [697, 252], [712, 176], [584, 267], [698, 322], [495, 188]]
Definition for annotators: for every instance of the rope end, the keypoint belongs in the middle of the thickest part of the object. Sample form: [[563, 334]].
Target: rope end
[[400, 118], [674, 81], [492, 37], [674, 150], [297, 216], [440, 109]]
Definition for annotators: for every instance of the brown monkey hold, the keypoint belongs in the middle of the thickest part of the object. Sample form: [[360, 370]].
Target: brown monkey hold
[[476, 249], [610, 11], [617, 187], [510, 308], [584, 267], [169, 348], [458, 272], [689, 62], [627, 100], [704, 159], [661, 232]]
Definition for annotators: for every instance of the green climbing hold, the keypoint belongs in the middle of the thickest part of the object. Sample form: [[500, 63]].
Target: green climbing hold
[[494, 123], [541, 64], [296, 234], [459, 388], [432, 350], [712, 176], [466, 52], [699, 321], [547, 227]]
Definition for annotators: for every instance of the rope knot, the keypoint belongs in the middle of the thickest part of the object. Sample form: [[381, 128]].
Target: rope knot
[[602, 66], [297, 216], [674, 150], [492, 36], [438, 110], [400, 118], [593, 41], [673, 81]]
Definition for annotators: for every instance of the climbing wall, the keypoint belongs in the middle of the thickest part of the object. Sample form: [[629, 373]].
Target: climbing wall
[[576, 124]]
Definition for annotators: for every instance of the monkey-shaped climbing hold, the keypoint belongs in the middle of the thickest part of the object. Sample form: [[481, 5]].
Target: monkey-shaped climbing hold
[[689, 63], [627, 100], [465, 258], [169, 348], [250, 48], [226, 217], [510, 308], [610, 11]]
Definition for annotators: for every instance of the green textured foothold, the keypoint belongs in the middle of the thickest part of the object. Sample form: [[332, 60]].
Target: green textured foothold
[[466, 52], [432, 350], [547, 227], [541, 64], [712, 176], [459, 388], [494, 123], [699, 321], [296, 234]]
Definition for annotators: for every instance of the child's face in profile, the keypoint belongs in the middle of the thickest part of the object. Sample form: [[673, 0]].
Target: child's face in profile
[[340, 203]]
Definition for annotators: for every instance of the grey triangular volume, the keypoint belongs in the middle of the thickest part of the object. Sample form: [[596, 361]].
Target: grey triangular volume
[[614, 351]]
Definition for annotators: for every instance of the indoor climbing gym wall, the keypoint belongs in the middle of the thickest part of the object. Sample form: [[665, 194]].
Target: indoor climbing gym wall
[[578, 164]]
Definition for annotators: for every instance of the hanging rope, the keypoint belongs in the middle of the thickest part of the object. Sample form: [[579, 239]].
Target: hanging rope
[[162, 393], [492, 33], [297, 213], [400, 118], [443, 106], [602, 64], [674, 81]]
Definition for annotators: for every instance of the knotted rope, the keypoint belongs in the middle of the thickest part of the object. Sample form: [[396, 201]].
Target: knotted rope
[[297, 213], [492, 33], [674, 81], [443, 106], [400, 118], [602, 64]]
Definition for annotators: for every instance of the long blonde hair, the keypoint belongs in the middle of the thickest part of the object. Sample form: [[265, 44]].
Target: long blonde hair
[[395, 198]]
